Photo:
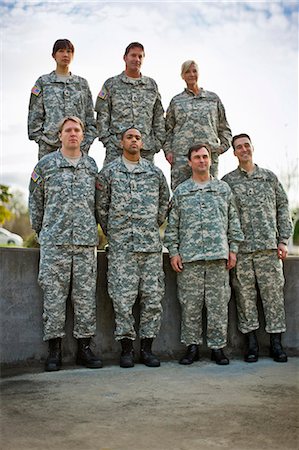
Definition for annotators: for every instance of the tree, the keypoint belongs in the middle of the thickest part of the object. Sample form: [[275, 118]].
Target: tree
[[295, 217], [5, 197], [19, 222], [288, 175], [17, 217]]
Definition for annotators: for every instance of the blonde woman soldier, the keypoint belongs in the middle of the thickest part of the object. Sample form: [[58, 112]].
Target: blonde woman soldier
[[194, 115]]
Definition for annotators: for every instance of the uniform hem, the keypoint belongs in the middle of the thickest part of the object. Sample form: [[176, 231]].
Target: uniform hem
[[48, 337], [248, 330]]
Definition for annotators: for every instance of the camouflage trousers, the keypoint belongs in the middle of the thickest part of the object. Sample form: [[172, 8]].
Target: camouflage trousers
[[113, 152], [204, 283], [132, 275], [63, 270], [181, 171], [264, 269]]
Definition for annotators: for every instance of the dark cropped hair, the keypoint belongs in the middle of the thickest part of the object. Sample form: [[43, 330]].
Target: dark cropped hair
[[132, 45], [61, 44], [197, 147], [129, 128], [239, 136]]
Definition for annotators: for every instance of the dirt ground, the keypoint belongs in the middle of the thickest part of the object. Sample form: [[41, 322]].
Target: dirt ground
[[199, 407]]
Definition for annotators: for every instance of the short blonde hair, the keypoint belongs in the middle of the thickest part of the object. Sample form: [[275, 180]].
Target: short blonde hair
[[73, 119], [186, 66]]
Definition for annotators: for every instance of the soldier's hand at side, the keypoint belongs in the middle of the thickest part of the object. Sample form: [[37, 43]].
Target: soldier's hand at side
[[282, 251], [169, 158], [176, 263], [232, 259]]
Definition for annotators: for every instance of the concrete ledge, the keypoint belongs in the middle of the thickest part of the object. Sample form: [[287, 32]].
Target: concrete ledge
[[21, 314]]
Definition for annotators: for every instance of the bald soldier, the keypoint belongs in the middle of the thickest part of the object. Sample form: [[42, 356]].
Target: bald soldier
[[132, 202], [202, 236], [264, 213]]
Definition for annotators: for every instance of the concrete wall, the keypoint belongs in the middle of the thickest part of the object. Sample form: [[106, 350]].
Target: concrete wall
[[21, 314]]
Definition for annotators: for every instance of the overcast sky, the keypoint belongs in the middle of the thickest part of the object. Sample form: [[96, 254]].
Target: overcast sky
[[247, 53]]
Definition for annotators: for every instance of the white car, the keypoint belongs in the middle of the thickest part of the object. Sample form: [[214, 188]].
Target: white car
[[6, 237]]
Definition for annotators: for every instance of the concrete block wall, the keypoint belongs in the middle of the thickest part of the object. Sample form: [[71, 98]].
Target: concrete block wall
[[21, 314]]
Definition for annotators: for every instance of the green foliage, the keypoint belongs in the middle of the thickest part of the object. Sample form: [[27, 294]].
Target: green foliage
[[31, 241], [295, 220], [296, 233], [5, 214], [5, 197]]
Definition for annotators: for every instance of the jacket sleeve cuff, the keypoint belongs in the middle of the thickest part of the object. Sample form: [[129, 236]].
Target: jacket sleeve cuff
[[283, 241], [173, 252], [233, 247]]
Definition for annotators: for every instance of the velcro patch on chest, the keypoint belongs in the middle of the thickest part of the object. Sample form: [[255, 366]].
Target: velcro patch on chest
[[99, 186]]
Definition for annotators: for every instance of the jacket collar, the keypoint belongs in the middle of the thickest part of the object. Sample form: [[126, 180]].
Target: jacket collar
[[63, 162], [54, 78], [129, 80]]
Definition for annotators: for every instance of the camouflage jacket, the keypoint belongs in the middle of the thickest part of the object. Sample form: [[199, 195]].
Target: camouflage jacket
[[123, 103], [194, 118], [51, 100], [131, 206], [263, 208], [203, 223], [62, 201]]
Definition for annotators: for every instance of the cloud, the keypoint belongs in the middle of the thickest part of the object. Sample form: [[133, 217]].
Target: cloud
[[247, 53]]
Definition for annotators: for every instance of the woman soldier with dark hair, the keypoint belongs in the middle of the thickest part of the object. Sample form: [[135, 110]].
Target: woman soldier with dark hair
[[56, 95]]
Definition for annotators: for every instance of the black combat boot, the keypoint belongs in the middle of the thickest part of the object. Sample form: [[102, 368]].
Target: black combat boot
[[252, 352], [191, 355], [276, 350], [219, 357], [85, 356], [127, 354], [146, 355], [53, 362]]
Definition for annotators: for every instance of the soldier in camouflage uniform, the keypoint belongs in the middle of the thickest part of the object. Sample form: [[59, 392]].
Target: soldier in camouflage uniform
[[264, 214], [127, 100], [132, 202], [194, 115], [202, 237], [56, 95], [62, 212]]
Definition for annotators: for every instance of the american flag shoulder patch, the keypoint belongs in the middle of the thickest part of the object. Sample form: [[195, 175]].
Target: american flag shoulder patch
[[35, 90], [34, 176], [103, 94]]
